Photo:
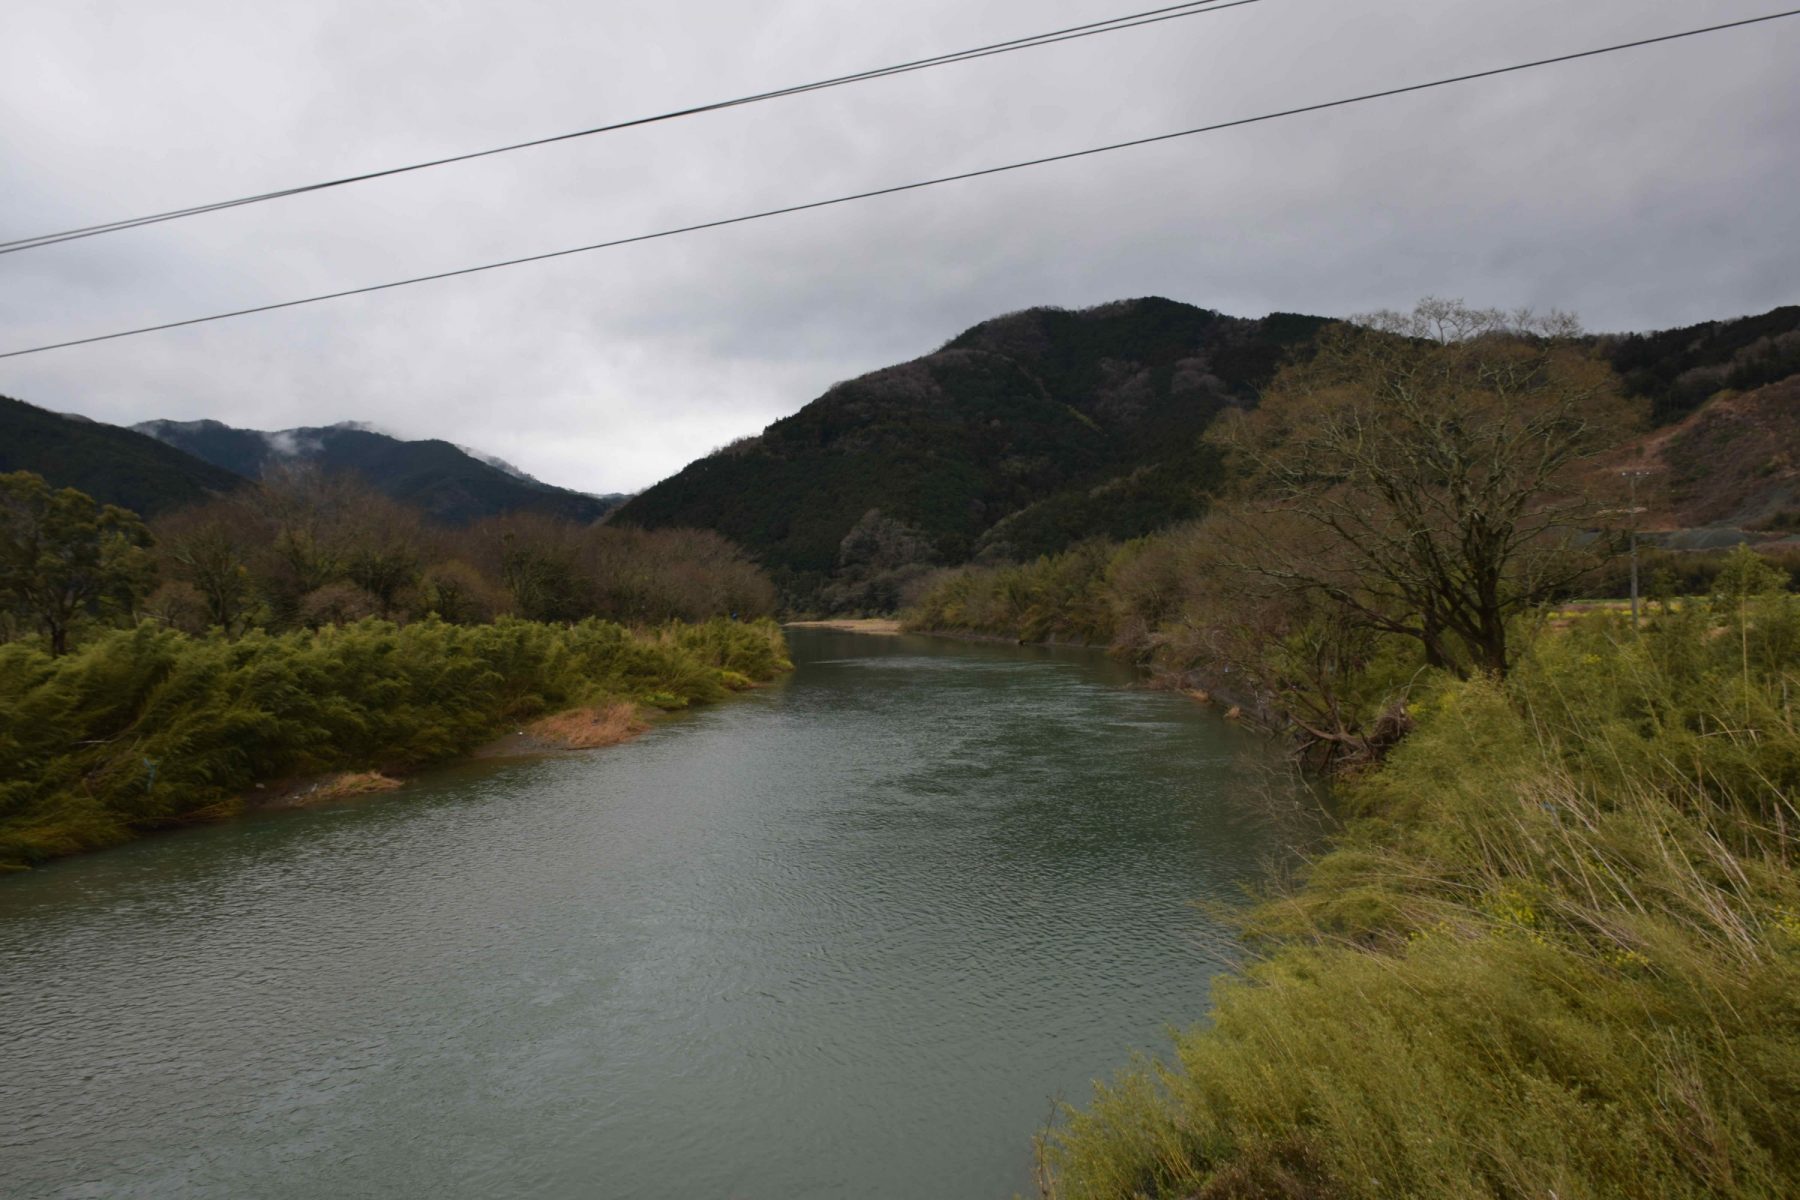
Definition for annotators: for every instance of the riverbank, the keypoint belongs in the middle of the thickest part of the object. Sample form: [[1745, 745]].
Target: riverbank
[[586, 728], [1553, 952], [880, 626], [895, 626], [149, 728]]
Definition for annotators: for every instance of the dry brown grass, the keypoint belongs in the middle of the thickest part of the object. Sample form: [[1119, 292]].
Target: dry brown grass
[[877, 625], [588, 728], [312, 789], [353, 783]]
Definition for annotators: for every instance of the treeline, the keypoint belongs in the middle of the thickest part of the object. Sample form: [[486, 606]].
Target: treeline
[[306, 550], [144, 728], [1678, 369], [154, 673], [1412, 499], [1171, 603], [1554, 952]]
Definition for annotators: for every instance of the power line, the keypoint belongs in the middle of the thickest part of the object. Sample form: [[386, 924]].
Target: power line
[[909, 187], [1092, 29]]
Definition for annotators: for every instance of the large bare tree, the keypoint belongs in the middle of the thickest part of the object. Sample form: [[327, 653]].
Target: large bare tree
[[1423, 472]]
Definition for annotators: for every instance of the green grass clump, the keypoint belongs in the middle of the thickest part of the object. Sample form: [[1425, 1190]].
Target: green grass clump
[[150, 727], [1556, 951]]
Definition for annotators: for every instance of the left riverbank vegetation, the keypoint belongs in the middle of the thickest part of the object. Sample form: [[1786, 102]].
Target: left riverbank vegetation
[[1552, 947], [155, 674]]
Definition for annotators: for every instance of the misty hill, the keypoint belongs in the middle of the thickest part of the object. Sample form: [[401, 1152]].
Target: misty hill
[[1020, 436], [111, 464], [450, 484]]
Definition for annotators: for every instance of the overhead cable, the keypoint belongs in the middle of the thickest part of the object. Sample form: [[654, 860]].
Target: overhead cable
[[1092, 29], [914, 186]]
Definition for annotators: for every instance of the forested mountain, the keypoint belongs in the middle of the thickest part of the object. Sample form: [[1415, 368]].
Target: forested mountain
[[1032, 431], [1017, 437], [446, 482], [1678, 369], [113, 465], [1728, 471]]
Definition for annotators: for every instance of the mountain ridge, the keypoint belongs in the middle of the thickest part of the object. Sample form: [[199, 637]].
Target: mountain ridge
[[449, 483], [1089, 418], [113, 464], [1031, 431]]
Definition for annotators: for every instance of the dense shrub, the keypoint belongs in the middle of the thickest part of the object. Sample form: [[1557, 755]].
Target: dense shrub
[[1058, 598], [148, 727]]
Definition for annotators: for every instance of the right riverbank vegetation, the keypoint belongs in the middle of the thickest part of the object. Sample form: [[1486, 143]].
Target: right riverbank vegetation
[[1553, 948], [159, 675]]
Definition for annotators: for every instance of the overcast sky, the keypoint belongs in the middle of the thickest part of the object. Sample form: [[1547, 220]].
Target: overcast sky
[[1651, 188]]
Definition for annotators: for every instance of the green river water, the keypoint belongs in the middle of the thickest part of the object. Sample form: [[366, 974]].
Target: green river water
[[846, 936]]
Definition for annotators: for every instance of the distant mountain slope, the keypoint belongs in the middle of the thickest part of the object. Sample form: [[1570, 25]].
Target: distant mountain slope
[[114, 465], [1019, 436], [1732, 464], [1677, 369], [448, 483]]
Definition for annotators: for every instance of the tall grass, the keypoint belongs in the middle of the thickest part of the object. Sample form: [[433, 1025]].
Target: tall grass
[[1555, 952], [151, 727]]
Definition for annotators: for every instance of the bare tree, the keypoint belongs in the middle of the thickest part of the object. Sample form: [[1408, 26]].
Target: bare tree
[[210, 548], [1422, 473]]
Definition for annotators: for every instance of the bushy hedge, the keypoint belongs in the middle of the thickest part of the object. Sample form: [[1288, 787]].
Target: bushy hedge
[[149, 727]]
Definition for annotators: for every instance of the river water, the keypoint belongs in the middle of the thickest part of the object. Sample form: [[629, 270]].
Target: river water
[[846, 936]]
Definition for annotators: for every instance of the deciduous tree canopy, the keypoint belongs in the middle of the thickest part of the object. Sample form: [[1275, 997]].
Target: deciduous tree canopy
[[1417, 473]]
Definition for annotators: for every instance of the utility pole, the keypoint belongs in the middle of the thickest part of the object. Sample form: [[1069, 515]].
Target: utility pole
[[1634, 509]]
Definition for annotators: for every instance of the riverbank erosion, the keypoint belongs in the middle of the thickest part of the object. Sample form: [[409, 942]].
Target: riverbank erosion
[[1555, 950], [150, 728]]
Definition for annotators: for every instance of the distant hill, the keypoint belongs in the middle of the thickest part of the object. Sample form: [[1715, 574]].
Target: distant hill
[[1678, 369], [1018, 437], [450, 484], [1032, 431], [114, 465], [1732, 466]]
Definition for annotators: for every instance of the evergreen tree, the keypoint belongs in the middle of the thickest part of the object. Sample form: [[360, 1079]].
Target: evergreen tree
[[62, 555]]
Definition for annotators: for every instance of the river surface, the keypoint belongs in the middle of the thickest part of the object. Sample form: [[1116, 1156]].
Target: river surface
[[846, 936]]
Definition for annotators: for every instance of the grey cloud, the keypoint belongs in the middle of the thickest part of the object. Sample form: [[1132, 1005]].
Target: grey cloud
[[1641, 190]]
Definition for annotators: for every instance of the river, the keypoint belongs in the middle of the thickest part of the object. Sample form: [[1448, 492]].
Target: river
[[845, 936]]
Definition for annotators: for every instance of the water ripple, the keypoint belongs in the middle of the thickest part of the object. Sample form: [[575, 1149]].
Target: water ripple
[[842, 936]]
